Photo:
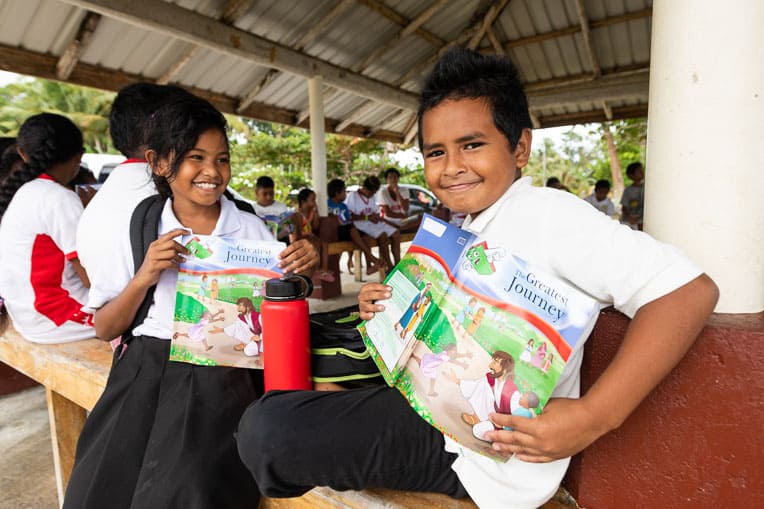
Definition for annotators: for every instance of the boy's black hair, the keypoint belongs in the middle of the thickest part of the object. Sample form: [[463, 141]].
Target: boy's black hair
[[462, 73], [175, 128], [631, 168], [83, 177], [130, 111], [553, 182], [303, 195], [335, 187], [47, 139], [602, 184], [392, 170], [8, 160], [264, 182], [372, 183]]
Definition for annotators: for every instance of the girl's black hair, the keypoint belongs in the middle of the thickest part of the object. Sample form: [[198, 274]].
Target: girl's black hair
[[462, 73], [393, 171], [372, 183], [47, 139], [303, 195], [173, 130], [335, 187], [8, 160]]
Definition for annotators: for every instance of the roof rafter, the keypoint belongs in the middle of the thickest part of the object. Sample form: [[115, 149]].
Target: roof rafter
[[230, 12], [81, 41], [44, 66], [401, 20], [196, 28], [486, 23], [586, 35]]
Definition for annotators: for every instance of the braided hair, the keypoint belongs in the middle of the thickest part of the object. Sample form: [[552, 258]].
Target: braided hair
[[46, 139]]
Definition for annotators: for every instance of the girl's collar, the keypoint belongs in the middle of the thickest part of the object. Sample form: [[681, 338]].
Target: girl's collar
[[45, 176], [133, 161]]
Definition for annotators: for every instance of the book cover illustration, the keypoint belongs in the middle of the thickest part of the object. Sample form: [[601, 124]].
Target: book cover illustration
[[471, 329], [220, 288], [280, 225]]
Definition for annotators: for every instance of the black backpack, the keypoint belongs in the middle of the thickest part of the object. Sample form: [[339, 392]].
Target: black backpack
[[338, 353]]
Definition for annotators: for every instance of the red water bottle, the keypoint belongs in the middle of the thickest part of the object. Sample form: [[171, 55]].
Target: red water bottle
[[286, 333]]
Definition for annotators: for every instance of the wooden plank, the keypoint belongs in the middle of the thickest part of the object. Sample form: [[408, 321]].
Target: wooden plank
[[66, 422], [77, 370]]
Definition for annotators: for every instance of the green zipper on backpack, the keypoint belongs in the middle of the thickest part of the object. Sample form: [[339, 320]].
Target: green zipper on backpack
[[341, 351]]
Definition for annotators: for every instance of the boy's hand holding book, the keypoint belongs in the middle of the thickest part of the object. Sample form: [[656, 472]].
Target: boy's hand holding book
[[369, 295]]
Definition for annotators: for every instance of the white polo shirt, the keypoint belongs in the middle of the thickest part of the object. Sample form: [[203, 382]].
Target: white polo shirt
[[231, 223], [564, 235], [43, 293], [108, 214]]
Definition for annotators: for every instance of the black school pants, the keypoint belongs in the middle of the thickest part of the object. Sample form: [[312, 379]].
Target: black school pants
[[293, 441], [161, 436]]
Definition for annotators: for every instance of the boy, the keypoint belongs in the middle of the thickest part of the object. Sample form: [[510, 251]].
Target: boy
[[267, 205], [599, 200], [107, 216], [346, 231], [475, 132], [633, 199]]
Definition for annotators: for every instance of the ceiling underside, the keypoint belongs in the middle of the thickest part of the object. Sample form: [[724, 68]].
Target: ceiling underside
[[581, 60]]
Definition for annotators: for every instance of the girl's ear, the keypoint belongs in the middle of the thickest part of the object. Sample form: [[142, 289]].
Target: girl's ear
[[23, 155], [158, 166]]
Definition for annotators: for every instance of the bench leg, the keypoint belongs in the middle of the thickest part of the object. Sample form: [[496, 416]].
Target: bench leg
[[357, 261], [66, 422]]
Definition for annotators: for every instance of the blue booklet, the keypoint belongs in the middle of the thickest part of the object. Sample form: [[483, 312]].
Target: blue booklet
[[472, 329]]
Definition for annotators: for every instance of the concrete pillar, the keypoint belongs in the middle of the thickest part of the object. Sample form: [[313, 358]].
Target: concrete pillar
[[704, 186], [318, 142]]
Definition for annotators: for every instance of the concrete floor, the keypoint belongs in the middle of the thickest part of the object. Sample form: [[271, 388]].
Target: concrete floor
[[27, 478]]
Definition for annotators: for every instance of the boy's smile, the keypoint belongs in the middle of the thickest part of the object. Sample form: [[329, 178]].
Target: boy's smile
[[468, 162]]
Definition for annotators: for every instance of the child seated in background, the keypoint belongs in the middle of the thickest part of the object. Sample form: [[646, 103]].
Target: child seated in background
[[394, 205], [599, 200], [306, 227], [270, 209], [42, 281], [365, 215], [346, 231]]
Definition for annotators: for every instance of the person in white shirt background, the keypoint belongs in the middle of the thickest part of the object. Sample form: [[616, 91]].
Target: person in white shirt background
[[43, 284], [599, 200]]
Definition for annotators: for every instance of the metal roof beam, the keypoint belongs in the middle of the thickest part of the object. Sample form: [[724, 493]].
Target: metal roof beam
[[187, 25], [81, 41]]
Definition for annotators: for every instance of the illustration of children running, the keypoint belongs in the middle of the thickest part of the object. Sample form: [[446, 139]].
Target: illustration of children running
[[547, 363], [203, 288], [476, 321], [196, 332], [465, 316], [429, 363], [538, 358], [528, 352], [246, 328], [403, 322]]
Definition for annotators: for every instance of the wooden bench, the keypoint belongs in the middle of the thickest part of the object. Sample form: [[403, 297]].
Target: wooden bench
[[74, 376]]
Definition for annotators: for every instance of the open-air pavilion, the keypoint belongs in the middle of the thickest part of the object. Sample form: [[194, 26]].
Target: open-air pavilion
[[355, 66]]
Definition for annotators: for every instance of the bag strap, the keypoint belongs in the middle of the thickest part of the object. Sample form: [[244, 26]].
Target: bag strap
[[144, 229]]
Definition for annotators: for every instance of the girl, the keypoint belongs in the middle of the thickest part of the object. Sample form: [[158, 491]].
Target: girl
[[306, 227], [394, 206], [363, 209], [43, 283], [162, 433]]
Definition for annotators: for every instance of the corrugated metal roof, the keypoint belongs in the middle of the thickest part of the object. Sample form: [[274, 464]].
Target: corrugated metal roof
[[545, 39]]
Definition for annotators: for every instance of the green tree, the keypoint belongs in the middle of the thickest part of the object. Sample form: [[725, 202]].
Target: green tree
[[88, 108]]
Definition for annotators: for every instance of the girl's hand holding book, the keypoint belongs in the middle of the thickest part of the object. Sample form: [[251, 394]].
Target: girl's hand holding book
[[564, 428], [300, 257], [163, 253]]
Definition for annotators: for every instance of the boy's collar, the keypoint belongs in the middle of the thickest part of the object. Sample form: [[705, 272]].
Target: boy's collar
[[480, 223]]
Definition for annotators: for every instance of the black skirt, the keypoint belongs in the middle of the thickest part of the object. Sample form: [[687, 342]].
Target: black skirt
[[162, 436]]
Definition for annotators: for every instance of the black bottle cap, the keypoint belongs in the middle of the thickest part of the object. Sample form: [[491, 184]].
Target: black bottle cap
[[281, 289]]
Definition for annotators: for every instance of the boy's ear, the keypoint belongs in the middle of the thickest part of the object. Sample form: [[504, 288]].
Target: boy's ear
[[157, 165], [523, 148], [23, 155]]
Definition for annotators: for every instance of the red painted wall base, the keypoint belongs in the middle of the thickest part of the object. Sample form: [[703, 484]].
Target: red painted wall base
[[697, 440]]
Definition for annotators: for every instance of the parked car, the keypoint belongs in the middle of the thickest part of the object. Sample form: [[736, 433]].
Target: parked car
[[420, 198]]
